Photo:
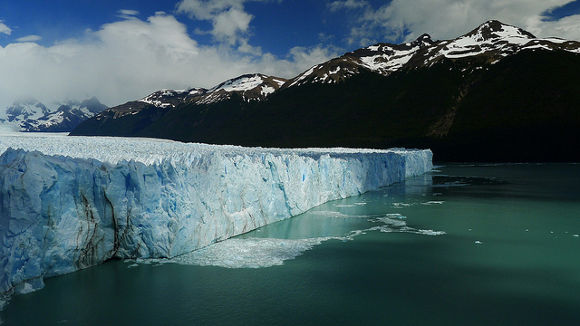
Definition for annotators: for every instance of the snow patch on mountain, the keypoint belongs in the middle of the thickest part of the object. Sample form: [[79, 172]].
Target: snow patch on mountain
[[252, 87], [158, 99], [390, 61], [492, 36], [267, 90], [240, 84], [303, 76]]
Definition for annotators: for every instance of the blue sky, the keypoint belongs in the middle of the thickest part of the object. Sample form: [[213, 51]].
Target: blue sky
[[276, 26], [67, 48]]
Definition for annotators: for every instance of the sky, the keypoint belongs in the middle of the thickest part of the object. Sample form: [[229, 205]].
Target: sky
[[123, 50]]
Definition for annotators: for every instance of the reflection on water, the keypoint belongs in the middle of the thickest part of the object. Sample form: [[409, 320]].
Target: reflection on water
[[465, 245]]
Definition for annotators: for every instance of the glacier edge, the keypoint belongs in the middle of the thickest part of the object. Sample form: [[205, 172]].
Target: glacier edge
[[59, 214]]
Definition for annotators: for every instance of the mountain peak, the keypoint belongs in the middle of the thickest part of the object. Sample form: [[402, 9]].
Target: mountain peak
[[248, 81], [253, 86], [424, 37], [26, 108], [493, 23], [493, 29], [28, 114], [250, 87]]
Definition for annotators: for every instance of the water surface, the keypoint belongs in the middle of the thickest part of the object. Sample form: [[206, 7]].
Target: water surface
[[465, 245]]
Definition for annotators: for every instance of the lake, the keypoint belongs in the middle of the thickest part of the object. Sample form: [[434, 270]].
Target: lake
[[463, 245]]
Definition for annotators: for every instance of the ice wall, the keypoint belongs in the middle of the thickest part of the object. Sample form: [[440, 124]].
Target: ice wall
[[149, 199]]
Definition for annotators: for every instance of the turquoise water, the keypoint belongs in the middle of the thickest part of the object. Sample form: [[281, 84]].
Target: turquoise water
[[465, 245]]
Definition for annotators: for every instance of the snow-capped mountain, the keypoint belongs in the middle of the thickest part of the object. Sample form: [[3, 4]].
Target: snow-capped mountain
[[495, 93], [489, 43], [31, 115], [250, 87], [26, 109], [253, 87]]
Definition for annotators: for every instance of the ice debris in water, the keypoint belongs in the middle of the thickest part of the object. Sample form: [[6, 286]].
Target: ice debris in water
[[398, 224], [267, 252], [433, 202], [399, 205], [249, 253], [330, 214]]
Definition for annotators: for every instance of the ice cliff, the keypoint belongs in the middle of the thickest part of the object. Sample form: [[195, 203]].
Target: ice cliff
[[67, 203]]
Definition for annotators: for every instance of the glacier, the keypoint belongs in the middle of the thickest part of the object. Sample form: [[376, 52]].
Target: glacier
[[68, 203]]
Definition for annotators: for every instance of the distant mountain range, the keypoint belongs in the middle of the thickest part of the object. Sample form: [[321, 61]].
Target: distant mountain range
[[497, 93], [28, 114]]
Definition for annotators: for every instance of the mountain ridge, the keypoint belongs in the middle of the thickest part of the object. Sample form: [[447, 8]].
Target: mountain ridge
[[417, 90], [29, 114]]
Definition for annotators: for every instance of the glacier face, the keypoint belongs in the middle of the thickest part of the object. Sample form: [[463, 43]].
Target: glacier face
[[67, 203]]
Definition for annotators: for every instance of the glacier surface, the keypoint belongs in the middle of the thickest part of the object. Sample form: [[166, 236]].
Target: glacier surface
[[67, 203]]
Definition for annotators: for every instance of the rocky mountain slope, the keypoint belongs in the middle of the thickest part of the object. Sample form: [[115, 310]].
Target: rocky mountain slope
[[250, 87], [497, 93], [31, 115]]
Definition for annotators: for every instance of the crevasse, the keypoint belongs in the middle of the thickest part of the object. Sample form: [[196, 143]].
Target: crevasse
[[126, 198]]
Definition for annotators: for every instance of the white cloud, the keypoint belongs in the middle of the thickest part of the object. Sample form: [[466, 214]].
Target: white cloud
[[445, 19], [567, 27], [208, 9], [348, 4], [127, 13], [128, 59], [229, 19], [299, 59], [29, 38], [5, 29], [226, 25], [249, 49]]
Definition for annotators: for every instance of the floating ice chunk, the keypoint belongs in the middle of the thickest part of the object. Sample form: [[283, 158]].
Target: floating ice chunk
[[433, 202], [399, 205], [396, 215]]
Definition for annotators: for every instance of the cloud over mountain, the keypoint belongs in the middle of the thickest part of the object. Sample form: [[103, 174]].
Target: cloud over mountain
[[443, 19], [130, 58]]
